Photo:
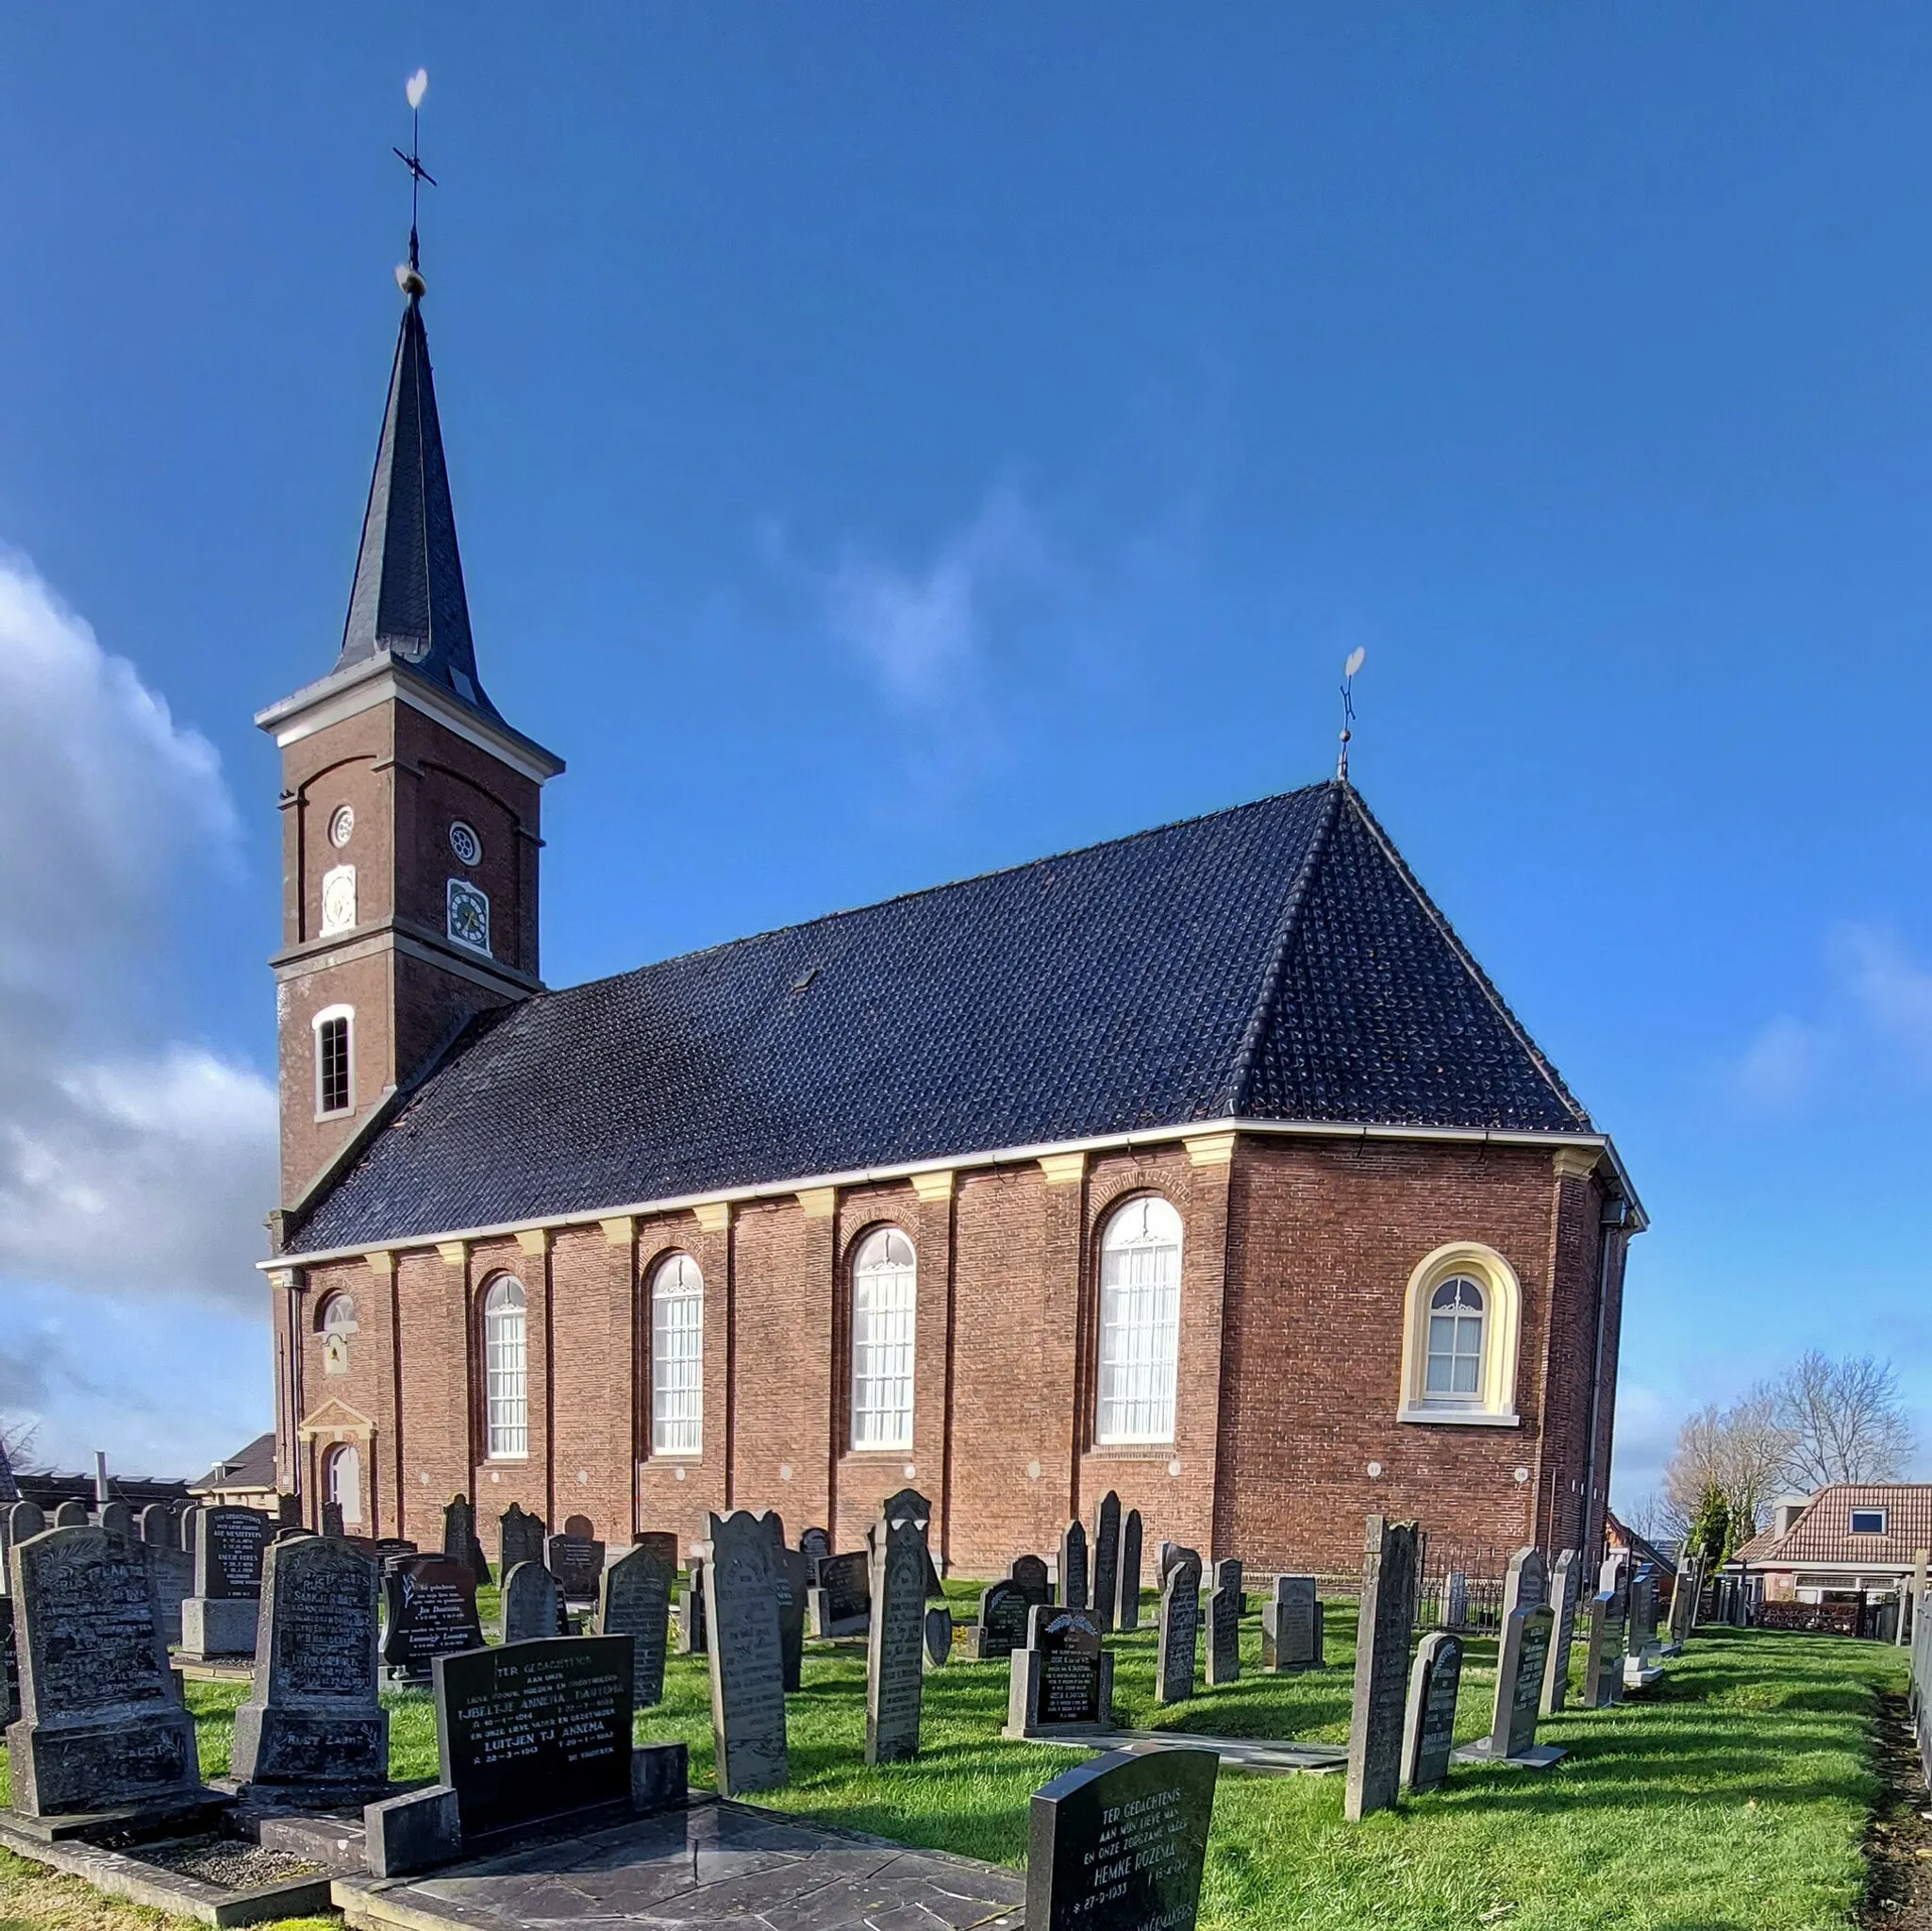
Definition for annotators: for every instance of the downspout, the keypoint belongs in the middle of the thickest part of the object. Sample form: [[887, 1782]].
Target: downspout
[[1615, 1213]]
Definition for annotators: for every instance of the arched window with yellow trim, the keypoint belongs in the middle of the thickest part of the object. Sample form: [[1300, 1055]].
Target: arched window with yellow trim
[[1459, 1333]]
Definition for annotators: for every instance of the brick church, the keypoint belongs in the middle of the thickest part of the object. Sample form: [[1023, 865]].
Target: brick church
[[1205, 1165]]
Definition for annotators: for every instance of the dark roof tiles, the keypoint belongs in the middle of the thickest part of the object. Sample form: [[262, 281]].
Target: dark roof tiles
[[1272, 961]]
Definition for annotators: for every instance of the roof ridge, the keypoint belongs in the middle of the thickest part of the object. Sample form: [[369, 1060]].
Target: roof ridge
[[1253, 1035], [1538, 1057]]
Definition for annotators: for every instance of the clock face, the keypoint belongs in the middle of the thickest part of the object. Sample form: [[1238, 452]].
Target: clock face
[[341, 827], [338, 899], [469, 915], [464, 842]]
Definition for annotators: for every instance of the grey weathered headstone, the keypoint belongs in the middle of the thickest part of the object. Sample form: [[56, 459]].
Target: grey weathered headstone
[[1119, 1844], [635, 1601], [117, 1518], [189, 1527], [1603, 1656], [793, 1568], [170, 1582], [332, 1522], [747, 1654], [1062, 1681], [10, 1660], [839, 1604], [1180, 1627], [533, 1606], [288, 1511], [1521, 1657], [1455, 1599], [218, 1620], [691, 1637], [1074, 1567], [1381, 1667], [894, 1678], [938, 1637], [814, 1544], [1563, 1581], [1106, 1560], [429, 1611], [519, 1538], [1224, 1624], [71, 1514], [1525, 1582], [1028, 1574], [313, 1718], [460, 1542], [1291, 1626], [1428, 1731], [1127, 1614], [102, 1724], [18, 1521]]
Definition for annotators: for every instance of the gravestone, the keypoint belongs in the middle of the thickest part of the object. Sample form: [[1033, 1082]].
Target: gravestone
[[577, 1563], [1106, 1560], [288, 1511], [1381, 1667], [1074, 1567], [312, 1719], [840, 1604], [794, 1586], [747, 1660], [460, 1542], [1525, 1583], [1563, 1578], [170, 1583], [117, 1519], [1521, 1658], [519, 1538], [635, 1601], [1429, 1729], [532, 1604], [71, 1514], [1224, 1624], [1181, 1624], [1614, 1577], [100, 1723], [218, 1620], [1291, 1626], [938, 1637], [1127, 1614], [429, 1611], [1602, 1657], [690, 1611], [814, 1545], [1028, 1574], [1455, 1600], [9, 1664], [534, 1732], [1004, 1607], [18, 1521], [1119, 1844], [1062, 1681], [332, 1522], [190, 1527], [894, 1676]]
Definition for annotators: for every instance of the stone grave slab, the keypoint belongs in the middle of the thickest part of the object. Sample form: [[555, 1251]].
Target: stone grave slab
[[894, 1662], [1291, 1626], [117, 1518], [1428, 1731], [1106, 1560], [692, 1635], [1563, 1581], [1073, 1571], [519, 1538], [1521, 1658], [814, 1544], [71, 1514], [1120, 1842], [429, 1611], [1062, 1681], [747, 1656], [938, 1637], [1525, 1582], [1180, 1628], [1128, 1590], [1004, 1607], [218, 1620], [793, 1574], [840, 1604], [1378, 1708], [1029, 1575], [635, 1601], [577, 1563], [460, 1542], [1224, 1602], [169, 1581], [533, 1605]]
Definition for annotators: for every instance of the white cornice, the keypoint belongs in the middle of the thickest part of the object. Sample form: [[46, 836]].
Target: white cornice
[[346, 693], [1002, 1157]]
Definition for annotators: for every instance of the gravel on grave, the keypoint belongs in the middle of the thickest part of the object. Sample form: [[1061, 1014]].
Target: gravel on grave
[[227, 1862]]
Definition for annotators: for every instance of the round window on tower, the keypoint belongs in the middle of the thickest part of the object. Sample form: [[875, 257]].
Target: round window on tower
[[341, 826], [464, 842]]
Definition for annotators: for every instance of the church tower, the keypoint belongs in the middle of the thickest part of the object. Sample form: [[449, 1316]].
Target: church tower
[[410, 813]]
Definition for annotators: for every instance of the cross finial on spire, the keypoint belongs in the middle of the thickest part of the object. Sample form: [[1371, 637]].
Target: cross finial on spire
[[410, 278], [1348, 671]]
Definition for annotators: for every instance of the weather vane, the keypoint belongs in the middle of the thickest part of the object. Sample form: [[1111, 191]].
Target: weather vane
[[1348, 671], [410, 278]]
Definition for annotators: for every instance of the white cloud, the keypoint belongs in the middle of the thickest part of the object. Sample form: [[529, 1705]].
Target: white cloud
[[1891, 993], [923, 630], [126, 1161], [1780, 1064]]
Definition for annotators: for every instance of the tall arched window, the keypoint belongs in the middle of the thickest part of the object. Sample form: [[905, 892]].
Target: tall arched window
[[1458, 1341], [1455, 1367], [506, 1371], [335, 1064], [677, 1357], [341, 1482], [1139, 1320], [885, 1300]]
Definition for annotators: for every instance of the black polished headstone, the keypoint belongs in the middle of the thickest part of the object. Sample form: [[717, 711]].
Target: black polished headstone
[[1106, 1560], [1028, 1574], [895, 1669], [533, 1732], [429, 1611], [1073, 1590], [1180, 1630], [815, 1545], [1428, 1733], [1063, 1679], [332, 1522], [1127, 1591], [519, 1538], [1224, 1624], [938, 1637], [577, 1563], [1004, 1607], [532, 1604], [1119, 1844], [460, 1542], [635, 1601], [792, 1571], [1381, 1666], [71, 1514], [117, 1518], [229, 1554]]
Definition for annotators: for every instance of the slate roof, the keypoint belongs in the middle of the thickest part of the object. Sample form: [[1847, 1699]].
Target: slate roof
[[1821, 1536], [253, 1467], [1276, 961]]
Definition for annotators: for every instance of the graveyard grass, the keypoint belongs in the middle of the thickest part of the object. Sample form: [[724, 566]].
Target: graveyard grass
[[1734, 1794]]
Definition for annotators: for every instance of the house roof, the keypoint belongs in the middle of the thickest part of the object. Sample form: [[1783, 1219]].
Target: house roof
[[1274, 961], [1822, 1536], [253, 1467]]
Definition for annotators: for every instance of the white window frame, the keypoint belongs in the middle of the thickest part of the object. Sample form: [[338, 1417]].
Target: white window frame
[[328, 1317], [333, 1460], [506, 1370], [1136, 1388], [1493, 1403], [347, 1015], [677, 1357], [1852, 1518], [885, 1324], [1457, 1304]]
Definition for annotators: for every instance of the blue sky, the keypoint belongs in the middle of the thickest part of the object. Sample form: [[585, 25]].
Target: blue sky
[[891, 443]]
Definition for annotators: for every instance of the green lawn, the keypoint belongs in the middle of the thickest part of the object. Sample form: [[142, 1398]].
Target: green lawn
[[1734, 1794]]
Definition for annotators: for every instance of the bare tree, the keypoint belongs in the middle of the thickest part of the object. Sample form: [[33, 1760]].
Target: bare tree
[[1843, 1421], [1739, 1453], [17, 1438], [1653, 1518]]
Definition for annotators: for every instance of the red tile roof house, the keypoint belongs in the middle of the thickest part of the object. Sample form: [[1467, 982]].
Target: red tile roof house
[[1849, 1542]]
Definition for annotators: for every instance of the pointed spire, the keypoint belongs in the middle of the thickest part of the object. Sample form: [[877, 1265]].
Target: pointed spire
[[408, 602]]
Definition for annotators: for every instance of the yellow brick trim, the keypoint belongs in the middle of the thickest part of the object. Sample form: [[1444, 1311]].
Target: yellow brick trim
[[713, 1216], [1063, 1170], [1576, 1162], [617, 1230], [1210, 1150], [933, 1189], [534, 1242], [381, 1261], [454, 1253], [818, 1203]]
